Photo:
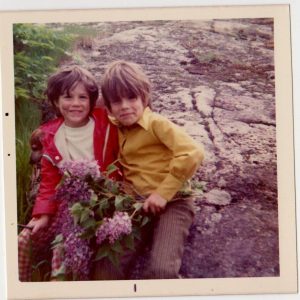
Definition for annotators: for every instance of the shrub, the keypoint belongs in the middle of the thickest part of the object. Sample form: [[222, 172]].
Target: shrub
[[38, 51]]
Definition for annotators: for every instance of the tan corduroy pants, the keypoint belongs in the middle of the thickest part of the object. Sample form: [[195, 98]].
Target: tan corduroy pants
[[169, 232]]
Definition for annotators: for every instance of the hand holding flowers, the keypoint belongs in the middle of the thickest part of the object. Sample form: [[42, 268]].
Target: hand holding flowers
[[39, 223], [155, 204]]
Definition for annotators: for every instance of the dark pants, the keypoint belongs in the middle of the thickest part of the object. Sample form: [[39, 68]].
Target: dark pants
[[169, 231]]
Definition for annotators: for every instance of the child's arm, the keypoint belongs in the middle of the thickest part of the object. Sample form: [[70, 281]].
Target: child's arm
[[45, 203], [38, 223], [45, 206], [187, 155]]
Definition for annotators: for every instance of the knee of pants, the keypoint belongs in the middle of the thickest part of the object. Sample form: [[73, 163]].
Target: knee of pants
[[164, 271], [24, 239], [105, 270]]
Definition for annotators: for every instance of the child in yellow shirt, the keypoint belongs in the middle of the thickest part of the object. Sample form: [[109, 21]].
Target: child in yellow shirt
[[157, 157]]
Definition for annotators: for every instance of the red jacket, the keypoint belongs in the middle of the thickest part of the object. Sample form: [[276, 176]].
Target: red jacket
[[105, 150]]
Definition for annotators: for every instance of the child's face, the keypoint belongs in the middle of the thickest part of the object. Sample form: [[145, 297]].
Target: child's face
[[127, 111], [75, 107]]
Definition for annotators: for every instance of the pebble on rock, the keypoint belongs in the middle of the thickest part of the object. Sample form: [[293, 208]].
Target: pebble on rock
[[217, 197]]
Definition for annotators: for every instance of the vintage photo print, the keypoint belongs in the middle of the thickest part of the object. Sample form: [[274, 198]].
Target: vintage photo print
[[221, 174]]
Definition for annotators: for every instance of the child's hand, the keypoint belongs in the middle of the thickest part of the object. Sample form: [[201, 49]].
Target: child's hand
[[155, 204], [38, 223]]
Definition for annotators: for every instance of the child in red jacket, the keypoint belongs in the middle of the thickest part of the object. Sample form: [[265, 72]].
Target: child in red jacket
[[80, 132]]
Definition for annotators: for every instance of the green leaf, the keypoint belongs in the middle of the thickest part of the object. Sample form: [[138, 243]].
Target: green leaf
[[47, 58], [114, 258], [129, 241], [84, 215], [57, 241], [117, 247], [76, 211], [100, 255], [94, 199], [102, 252], [114, 188], [76, 208], [119, 202], [111, 168], [127, 201], [145, 221], [103, 205], [138, 205], [89, 223]]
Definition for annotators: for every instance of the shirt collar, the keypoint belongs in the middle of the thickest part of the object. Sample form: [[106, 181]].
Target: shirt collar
[[145, 119]]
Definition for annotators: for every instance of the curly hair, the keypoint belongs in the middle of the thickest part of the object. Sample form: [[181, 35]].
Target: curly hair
[[66, 79]]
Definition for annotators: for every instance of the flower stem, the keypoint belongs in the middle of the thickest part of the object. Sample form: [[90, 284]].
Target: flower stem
[[134, 212]]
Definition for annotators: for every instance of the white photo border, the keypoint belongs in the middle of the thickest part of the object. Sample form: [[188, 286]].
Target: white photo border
[[285, 283]]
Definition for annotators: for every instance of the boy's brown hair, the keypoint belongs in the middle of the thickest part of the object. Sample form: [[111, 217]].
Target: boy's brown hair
[[123, 79], [67, 78]]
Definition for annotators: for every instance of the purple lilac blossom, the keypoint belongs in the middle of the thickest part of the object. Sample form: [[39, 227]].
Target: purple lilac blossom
[[114, 228], [64, 220], [81, 168], [102, 232], [73, 190], [77, 253]]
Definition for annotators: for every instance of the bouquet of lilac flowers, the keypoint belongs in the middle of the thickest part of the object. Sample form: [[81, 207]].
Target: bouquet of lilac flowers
[[97, 218]]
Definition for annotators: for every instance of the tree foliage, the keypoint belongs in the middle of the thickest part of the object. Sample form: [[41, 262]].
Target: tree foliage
[[37, 52]]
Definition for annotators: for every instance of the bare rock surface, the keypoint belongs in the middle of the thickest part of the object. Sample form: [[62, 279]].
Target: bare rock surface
[[214, 78]]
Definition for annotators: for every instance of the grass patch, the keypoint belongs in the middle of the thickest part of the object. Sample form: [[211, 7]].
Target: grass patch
[[27, 119]]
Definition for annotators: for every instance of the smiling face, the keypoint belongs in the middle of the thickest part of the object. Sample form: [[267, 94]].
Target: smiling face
[[74, 106], [127, 110]]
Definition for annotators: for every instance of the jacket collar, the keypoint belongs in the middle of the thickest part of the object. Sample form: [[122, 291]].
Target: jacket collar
[[101, 122], [52, 126]]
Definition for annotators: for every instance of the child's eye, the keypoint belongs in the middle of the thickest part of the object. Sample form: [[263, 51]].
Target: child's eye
[[131, 96], [115, 100]]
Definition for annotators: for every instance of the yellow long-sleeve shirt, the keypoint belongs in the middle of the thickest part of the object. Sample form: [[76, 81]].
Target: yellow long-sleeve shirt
[[157, 155]]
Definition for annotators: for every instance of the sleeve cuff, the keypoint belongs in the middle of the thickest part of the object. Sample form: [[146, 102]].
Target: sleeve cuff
[[169, 187], [44, 207]]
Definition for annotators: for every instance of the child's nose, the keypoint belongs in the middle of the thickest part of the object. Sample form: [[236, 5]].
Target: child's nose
[[124, 103], [76, 101]]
